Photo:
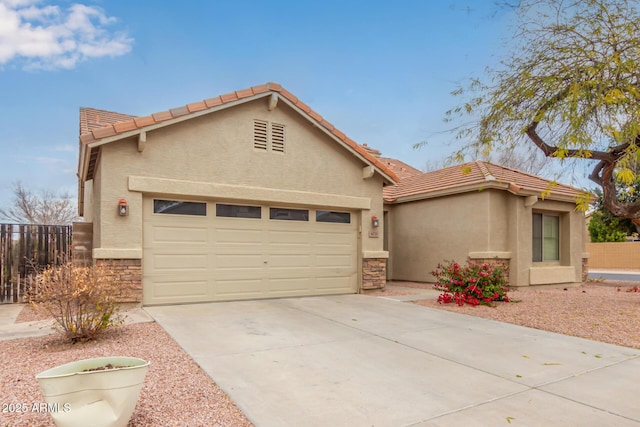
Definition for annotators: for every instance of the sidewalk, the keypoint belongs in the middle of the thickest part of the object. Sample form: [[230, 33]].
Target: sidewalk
[[10, 330], [614, 271]]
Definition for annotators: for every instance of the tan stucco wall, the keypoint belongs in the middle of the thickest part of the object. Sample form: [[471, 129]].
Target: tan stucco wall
[[483, 224], [424, 233], [218, 148], [88, 201], [96, 193]]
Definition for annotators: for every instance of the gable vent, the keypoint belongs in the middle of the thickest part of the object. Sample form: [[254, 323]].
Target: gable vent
[[260, 134], [277, 137], [268, 136]]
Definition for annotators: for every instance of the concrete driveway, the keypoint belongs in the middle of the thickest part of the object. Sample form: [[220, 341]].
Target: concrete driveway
[[358, 360]]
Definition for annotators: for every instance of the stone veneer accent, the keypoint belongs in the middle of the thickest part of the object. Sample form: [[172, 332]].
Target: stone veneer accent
[[585, 269], [374, 273], [129, 273]]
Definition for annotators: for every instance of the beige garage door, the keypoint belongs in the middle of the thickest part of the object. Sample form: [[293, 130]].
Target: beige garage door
[[218, 251]]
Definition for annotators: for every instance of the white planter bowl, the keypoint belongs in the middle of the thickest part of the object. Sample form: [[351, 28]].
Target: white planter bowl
[[104, 398]]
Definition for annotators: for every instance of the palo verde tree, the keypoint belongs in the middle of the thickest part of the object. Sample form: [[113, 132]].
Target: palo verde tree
[[571, 87]]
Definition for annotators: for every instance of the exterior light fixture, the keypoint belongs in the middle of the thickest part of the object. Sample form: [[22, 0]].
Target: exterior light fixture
[[123, 208]]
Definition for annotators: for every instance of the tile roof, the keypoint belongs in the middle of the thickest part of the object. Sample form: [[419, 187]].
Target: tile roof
[[473, 176], [113, 125], [91, 119], [400, 168]]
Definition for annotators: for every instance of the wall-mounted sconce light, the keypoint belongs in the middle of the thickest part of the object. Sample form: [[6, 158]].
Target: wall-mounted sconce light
[[375, 222], [123, 208]]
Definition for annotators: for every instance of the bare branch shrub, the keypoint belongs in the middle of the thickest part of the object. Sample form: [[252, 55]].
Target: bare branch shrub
[[81, 300]]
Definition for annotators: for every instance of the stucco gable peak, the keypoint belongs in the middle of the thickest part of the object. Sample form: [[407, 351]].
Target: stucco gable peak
[[117, 126]]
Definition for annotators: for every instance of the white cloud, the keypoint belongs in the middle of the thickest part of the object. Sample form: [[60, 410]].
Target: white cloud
[[47, 37], [48, 161], [65, 147]]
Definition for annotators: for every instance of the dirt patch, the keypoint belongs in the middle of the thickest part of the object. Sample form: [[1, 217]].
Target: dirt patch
[[30, 314]]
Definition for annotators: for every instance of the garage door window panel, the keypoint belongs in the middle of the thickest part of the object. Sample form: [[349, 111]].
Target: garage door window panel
[[238, 211], [334, 217], [289, 214], [176, 207]]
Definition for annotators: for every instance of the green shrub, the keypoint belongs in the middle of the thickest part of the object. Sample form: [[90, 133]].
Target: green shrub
[[80, 299], [472, 284]]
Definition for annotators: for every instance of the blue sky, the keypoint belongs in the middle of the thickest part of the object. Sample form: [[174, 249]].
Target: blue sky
[[380, 71]]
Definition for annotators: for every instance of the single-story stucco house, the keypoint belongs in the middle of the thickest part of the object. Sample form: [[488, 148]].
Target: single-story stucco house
[[485, 212], [252, 194]]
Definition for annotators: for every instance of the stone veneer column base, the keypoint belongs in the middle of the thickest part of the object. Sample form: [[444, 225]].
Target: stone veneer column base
[[374, 273], [585, 269], [129, 273]]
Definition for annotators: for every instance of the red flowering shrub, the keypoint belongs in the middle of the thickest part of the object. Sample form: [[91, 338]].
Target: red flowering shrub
[[472, 284]]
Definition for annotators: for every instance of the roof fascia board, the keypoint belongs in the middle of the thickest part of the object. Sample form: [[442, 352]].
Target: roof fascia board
[[85, 162], [175, 120], [335, 138], [450, 192], [82, 162]]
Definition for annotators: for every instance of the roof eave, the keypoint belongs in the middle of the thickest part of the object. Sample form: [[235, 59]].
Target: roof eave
[[487, 185], [175, 120]]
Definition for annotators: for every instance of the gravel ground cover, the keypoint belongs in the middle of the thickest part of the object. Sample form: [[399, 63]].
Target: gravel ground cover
[[176, 391], [606, 311]]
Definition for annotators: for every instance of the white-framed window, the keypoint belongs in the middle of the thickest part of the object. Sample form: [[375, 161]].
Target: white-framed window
[[546, 237]]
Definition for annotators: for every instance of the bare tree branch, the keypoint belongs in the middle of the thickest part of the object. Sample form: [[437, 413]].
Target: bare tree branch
[[571, 88], [47, 207]]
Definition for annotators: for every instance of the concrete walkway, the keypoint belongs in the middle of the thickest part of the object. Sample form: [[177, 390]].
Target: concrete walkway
[[10, 330], [359, 360]]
